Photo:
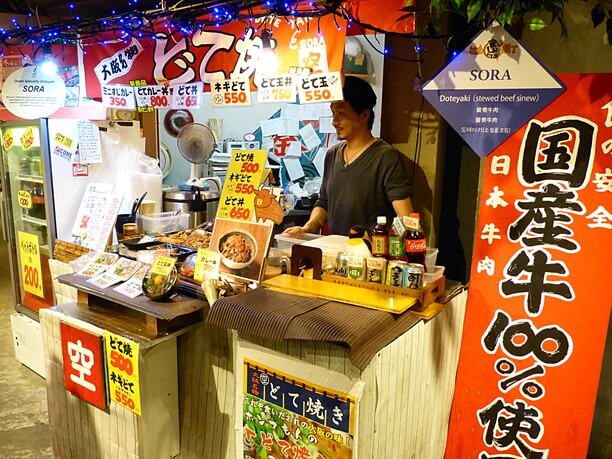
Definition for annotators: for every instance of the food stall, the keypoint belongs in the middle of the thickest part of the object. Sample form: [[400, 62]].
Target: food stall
[[248, 360], [122, 368], [196, 363]]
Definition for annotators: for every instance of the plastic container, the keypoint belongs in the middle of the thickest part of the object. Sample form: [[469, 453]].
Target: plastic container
[[286, 242], [433, 274], [430, 258], [164, 222]]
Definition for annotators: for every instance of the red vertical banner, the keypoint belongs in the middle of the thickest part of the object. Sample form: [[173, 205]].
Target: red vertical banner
[[540, 290]]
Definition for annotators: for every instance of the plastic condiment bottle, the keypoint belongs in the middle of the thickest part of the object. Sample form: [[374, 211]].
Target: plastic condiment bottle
[[397, 247], [380, 238], [415, 242]]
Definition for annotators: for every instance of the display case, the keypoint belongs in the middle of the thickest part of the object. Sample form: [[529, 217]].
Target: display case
[[28, 213]]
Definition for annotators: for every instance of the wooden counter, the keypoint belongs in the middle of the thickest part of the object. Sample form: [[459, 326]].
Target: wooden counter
[[192, 381], [81, 430]]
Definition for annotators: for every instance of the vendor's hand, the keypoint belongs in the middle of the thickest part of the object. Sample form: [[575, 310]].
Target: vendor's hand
[[294, 231]]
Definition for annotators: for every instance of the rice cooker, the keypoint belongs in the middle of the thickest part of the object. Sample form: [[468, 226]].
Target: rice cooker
[[199, 202]]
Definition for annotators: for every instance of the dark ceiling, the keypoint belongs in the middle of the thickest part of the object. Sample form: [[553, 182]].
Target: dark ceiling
[[57, 10]]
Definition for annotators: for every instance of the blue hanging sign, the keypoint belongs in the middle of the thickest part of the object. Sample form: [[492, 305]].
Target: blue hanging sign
[[492, 88]]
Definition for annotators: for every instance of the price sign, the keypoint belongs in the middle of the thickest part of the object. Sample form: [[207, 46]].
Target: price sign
[[207, 265], [118, 97], [27, 139], [163, 265], [277, 88], [64, 140], [29, 259], [226, 93], [123, 375], [24, 199], [243, 177], [187, 95], [157, 96], [7, 139], [320, 87]]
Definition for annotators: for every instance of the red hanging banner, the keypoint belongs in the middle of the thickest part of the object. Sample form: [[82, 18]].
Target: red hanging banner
[[232, 51], [540, 290]]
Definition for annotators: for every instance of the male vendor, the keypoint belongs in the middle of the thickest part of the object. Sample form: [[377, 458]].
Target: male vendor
[[364, 176]]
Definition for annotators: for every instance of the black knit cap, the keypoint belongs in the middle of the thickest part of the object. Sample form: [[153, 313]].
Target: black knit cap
[[358, 93]]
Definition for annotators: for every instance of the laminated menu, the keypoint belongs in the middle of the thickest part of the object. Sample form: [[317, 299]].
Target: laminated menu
[[120, 271], [133, 287], [99, 263]]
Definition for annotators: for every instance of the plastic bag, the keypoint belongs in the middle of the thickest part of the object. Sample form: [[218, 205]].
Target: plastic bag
[[137, 173]]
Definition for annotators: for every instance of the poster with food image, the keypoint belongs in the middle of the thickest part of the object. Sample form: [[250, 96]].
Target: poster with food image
[[292, 409], [133, 287], [242, 247]]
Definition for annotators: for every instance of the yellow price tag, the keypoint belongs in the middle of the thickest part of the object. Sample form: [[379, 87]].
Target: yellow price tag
[[8, 140], [122, 374], [207, 265], [63, 140], [24, 199], [29, 260], [163, 265]]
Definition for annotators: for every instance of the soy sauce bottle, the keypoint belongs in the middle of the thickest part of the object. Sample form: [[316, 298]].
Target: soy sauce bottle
[[414, 239], [380, 238]]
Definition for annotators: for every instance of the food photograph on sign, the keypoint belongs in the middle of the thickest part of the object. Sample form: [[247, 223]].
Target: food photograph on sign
[[242, 247]]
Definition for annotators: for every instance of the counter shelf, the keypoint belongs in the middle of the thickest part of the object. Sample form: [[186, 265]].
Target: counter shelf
[[157, 317]]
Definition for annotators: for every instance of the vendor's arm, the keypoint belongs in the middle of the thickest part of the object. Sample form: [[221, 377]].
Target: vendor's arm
[[317, 219], [403, 207]]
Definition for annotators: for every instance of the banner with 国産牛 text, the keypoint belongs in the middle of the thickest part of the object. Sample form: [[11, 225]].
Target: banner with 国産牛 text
[[540, 291]]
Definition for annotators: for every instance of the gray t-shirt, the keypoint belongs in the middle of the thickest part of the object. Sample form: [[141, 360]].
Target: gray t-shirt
[[365, 189]]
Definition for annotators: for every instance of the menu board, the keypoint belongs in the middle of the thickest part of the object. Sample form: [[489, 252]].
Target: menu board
[[96, 217], [244, 175]]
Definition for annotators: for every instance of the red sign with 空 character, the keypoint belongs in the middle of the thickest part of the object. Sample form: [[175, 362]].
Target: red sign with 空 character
[[83, 354]]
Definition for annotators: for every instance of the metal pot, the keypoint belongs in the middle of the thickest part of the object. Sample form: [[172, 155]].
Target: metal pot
[[201, 205]]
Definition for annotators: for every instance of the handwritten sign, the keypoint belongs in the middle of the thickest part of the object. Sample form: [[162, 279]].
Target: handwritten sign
[[207, 265], [7, 139], [90, 147], [27, 139], [118, 97], [29, 259], [24, 199], [187, 95], [163, 265], [96, 217], [243, 177], [277, 88], [123, 375], [318, 88], [230, 93]]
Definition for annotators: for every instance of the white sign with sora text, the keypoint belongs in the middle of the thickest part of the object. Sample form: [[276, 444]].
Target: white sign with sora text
[[31, 93]]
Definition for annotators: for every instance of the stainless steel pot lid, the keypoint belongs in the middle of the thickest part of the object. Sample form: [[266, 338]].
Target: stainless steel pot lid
[[188, 196]]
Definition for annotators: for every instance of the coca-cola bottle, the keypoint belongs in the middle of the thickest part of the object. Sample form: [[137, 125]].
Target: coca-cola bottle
[[380, 238], [414, 239]]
